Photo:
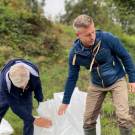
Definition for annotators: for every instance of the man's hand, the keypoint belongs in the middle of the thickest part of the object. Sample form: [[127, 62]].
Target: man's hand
[[132, 87], [43, 122], [62, 109]]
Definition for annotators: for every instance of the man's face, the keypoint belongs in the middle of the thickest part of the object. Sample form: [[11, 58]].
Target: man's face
[[87, 35], [24, 85]]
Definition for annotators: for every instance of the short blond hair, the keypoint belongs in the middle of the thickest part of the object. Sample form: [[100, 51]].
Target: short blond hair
[[19, 75], [82, 21]]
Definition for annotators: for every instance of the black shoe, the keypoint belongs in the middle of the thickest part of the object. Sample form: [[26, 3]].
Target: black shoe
[[125, 131], [89, 131]]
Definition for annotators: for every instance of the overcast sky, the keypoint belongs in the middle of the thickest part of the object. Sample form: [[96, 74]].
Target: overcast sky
[[54, 7]]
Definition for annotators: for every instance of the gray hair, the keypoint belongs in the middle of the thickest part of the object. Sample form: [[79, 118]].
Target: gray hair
[[82, 21]]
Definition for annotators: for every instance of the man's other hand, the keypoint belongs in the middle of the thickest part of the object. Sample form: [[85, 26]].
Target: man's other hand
[[131, 87], [62, 109]]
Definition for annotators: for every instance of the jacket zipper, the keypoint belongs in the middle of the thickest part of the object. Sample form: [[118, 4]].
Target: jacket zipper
[[100, 76]]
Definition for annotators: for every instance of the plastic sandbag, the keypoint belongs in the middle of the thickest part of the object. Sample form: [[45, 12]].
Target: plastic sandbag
[[70, 123], [5, 128]]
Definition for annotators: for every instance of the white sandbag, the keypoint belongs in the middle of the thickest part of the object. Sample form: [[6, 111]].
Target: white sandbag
[[69, 124], [5, 128]]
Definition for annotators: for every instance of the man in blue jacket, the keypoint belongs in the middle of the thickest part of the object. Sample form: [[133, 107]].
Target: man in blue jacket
[[108, 61], [18, 79]]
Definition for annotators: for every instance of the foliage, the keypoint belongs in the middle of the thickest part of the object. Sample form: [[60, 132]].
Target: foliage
[[93, 8], [126, 11], [105, 13], [27, 34], [33, 6]]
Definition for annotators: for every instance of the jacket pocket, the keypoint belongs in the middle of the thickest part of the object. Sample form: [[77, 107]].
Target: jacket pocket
[[108, 74], [103, 56]]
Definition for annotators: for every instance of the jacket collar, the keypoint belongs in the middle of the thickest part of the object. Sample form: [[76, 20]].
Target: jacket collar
[[82, 50]]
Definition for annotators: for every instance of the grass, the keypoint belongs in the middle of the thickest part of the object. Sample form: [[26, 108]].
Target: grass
[[108, 117]]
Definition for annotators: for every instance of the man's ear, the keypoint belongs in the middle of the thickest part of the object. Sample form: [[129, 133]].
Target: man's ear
[[77, 34]]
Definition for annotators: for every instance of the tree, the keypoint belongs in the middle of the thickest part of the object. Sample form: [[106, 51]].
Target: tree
[[126, 11], [97, 9], [105, 13], [34, 5], [128, 6]]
